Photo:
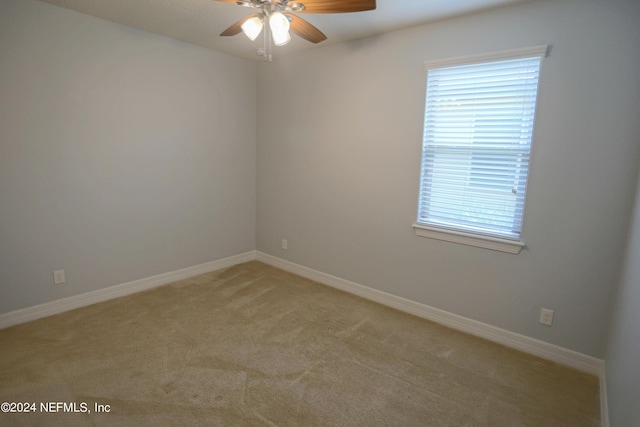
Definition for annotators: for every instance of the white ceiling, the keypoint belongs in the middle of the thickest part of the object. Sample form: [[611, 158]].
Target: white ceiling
[[201, 21]]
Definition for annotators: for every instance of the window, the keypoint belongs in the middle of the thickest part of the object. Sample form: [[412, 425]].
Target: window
[[478, 128]]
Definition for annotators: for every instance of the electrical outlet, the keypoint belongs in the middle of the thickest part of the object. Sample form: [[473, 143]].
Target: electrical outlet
[[58, 277], [284, 244], [546, 316]]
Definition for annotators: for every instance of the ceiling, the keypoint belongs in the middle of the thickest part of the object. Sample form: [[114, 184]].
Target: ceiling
[[200, 22]]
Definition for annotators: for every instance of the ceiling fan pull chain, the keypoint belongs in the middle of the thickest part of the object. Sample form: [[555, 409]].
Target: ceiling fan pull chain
[[267, 43]]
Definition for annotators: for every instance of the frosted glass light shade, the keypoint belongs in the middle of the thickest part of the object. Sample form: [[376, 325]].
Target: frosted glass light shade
[[279, 25], [281, 39], [252, 27]]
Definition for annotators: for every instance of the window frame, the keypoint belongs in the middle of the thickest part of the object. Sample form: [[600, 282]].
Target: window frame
[[461, 235]]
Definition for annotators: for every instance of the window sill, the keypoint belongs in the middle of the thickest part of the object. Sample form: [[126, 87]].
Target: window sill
[[493, 243]]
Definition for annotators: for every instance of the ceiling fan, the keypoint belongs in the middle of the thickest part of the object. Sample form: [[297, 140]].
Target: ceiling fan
[[277, 19]]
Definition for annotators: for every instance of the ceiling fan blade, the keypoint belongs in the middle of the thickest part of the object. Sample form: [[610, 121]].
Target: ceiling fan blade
[[337, 6], [237, 27], [305, 30]]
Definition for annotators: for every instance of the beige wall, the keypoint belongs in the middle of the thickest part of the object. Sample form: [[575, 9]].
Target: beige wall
[[623, 350], [340, 131], [122, 154]]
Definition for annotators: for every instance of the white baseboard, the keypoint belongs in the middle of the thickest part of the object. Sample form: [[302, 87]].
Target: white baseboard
[[604, 403], [523, 343], [65, 304], [510, 339]]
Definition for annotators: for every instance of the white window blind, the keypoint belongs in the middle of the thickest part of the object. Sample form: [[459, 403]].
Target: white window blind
[[477, 140]]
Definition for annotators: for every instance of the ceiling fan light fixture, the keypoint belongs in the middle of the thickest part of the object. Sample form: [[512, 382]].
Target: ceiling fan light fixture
[[279, 25], [252, 27], [277, 17]]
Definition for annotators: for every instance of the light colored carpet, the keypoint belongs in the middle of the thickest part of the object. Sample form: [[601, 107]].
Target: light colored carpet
[[252, 345]]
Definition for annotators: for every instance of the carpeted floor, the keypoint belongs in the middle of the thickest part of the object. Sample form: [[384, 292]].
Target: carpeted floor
[[252, 345]]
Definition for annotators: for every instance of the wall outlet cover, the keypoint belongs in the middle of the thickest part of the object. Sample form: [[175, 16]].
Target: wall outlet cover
[[58, 277], [546, 316]]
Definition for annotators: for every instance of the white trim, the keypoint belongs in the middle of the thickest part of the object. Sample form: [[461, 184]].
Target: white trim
[[478, 240], [604, 403], [527, 52], [523, 343], [65, 304]]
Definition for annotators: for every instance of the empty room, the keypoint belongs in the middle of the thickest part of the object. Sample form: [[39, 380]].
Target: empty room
[[321, 213]]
